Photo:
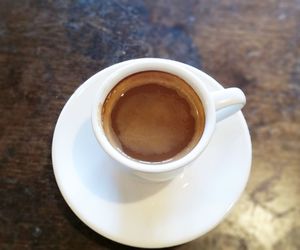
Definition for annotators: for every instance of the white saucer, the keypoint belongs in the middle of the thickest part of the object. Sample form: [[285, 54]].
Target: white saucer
[[133, 211]]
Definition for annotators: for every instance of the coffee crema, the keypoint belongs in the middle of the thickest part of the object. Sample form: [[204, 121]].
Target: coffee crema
[[153, 116]]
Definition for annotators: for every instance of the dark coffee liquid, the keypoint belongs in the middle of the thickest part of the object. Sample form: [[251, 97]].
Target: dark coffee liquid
[[153, 116]]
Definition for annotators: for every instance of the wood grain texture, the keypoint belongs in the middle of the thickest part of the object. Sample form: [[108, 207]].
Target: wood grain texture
[[48, 48]]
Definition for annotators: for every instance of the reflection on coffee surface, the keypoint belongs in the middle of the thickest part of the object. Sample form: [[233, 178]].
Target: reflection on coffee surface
[[153, 116]]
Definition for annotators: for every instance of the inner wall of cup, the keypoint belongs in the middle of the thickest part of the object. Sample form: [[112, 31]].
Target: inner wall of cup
[[113, 140]]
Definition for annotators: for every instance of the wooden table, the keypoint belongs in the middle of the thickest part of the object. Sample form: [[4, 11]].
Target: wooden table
[[48, 48]]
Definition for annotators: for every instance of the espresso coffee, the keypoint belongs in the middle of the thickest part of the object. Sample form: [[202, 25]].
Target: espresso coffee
[[153, 116]]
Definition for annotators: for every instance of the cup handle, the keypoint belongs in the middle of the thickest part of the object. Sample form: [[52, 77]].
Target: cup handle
[[228, 101]]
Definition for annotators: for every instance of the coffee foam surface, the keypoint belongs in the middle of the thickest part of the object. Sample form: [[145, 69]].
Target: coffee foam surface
[[153, 116]]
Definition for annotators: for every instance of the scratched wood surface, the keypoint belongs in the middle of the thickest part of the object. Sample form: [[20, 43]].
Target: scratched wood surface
[[48, 48]]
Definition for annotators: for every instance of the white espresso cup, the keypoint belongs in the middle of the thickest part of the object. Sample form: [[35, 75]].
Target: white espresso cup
[[217, 106]]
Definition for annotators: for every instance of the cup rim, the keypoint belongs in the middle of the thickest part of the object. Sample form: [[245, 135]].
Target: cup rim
[[168, 66]]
